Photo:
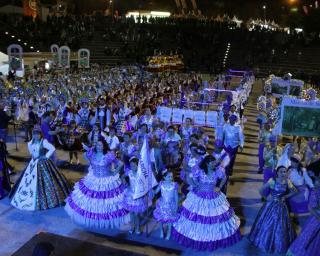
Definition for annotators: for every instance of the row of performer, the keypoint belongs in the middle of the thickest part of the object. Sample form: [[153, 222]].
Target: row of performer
[[202, 219]]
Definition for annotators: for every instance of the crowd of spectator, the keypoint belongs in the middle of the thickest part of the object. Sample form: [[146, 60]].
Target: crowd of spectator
[[201, 41]]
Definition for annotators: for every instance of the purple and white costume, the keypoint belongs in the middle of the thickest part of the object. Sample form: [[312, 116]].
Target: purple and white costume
[[96, 199], [307, 243], [206, 220], [298, 203], [138, 205], [166, 211]]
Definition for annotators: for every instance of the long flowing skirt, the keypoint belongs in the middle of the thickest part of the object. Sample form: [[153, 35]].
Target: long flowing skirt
[[206, 222], [41, 186], [308, 242], [299, 202], [272, 230], [96, 202]]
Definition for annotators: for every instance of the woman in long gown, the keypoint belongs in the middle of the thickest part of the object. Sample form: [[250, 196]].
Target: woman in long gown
[[41, 186], [272, 230], [206, 220], [308, 242], [96, 199]]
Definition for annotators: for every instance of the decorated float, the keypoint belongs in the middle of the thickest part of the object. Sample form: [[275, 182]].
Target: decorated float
[[291, 106], [164, 63]]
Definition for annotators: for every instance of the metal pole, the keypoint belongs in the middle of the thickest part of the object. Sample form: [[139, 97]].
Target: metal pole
[[15, 135], [264, 7]]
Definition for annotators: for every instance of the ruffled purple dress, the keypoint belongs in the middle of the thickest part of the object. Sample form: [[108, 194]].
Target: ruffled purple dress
[[166, 211], [138, 205], [308, 242], [96, 199], [272, 230], [206, 220]]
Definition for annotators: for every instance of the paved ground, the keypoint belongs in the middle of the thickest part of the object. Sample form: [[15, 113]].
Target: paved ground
[[17, 227]]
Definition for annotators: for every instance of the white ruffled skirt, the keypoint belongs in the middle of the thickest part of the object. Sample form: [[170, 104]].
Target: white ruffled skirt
[[206, 222], [97, 202]]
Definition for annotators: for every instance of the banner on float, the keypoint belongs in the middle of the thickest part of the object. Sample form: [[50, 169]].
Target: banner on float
[[212, 119], [165, 114], [188, 113], [64, 56], [178, 116], [15, 53], [281, 87], [300, 117], [200, 118], [54, 48], [84, 58]]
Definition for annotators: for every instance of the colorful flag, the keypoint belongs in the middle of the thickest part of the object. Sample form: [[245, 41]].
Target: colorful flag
[[145, 177]]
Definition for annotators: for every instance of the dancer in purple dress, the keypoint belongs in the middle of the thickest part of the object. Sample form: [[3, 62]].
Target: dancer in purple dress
[[272, 230], [138, 206], [96, 199], [166, 211], [206, 220], [308, 242], [190, 160]]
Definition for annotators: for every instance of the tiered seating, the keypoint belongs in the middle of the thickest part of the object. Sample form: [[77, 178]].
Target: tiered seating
[[297, 59], [202, 43]]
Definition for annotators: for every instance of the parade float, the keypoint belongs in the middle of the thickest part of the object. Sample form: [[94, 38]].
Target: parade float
[[163, 63]]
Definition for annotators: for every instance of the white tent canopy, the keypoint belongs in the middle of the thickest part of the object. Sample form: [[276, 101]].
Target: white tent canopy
[[3, 58], [236, 20]]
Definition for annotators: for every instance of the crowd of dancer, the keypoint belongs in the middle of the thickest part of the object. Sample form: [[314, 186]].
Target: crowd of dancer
[[111, 115]]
